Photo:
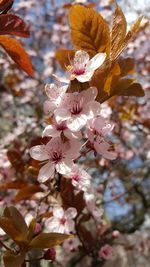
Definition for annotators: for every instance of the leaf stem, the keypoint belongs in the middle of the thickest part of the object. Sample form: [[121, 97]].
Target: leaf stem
[[7, 248]]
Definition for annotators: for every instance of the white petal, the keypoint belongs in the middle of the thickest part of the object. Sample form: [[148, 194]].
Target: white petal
[[81, 58], [46, 172], [96, 62], [85, 77], [71, 213], [64, 166], [49, 106], [69, 226], [75, 123], [89, 94], [50, 130], [52, 224], [58, 212], [92, 109], [61, 114], [61, 79], [72, 135], [39, 153], [73, 149]]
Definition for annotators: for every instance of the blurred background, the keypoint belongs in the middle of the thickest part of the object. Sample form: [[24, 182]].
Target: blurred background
[[124, 184]]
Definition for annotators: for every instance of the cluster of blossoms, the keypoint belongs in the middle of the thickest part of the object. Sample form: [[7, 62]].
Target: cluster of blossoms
[[77, 128]]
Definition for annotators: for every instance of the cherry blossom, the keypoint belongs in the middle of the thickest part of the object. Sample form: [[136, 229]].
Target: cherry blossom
[[71, 244], [97, 129], [95, 211], [80, 178], [57, 155], [106, 252], [78, 109], [82, 67], [61, 221], [55, 94], [56, 129]]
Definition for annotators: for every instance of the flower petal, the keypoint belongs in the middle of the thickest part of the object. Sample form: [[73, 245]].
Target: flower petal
[[71, 213], [72, 135], [61, 114], [39, 153], [96, 62], [81, 58], [46, 172], [50, 130], [64, 166], [85, 77], [75, 123], [58, 212]]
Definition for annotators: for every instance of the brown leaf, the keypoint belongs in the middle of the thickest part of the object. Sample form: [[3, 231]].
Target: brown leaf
[[135, 89], [31, 229], [17, 53], [15, 159], [11, 24], [18, 221], [127, 66], [46, 240], [27, 192], [133, 29], [70, 199], [118, 32], [12, 260], [13, 185], [4, 4], [89, 30], [64, 56]]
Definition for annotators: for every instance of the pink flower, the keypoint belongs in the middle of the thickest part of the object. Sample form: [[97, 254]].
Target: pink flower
[[71, 244], [82, 67], [95, 211], [56, 129], [57, 156], [80, 178], [55, 94], [106, 252], [98, 128], [61, 221], [78, 109]]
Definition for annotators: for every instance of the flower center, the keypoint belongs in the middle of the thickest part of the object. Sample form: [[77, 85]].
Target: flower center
[[79, 71], [56, 156], [62, 126], [76, 109], [76, 178], [62, 221]]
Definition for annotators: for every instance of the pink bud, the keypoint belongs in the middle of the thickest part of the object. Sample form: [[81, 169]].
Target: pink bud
[[115, 234], [38, 229], [50, 254], [105, 252]]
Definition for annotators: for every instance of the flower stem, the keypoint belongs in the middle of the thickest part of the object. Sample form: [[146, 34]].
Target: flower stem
[[83, 154]]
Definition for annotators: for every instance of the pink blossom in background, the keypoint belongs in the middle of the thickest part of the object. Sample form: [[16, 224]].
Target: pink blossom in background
[[61, 221], [78, 109], [95, 211], [79, 178], [57, 155], [106, 252]]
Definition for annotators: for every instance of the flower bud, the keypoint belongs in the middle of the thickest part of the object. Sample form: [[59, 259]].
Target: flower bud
[[50, 254], [115, 234], [38, 229]]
